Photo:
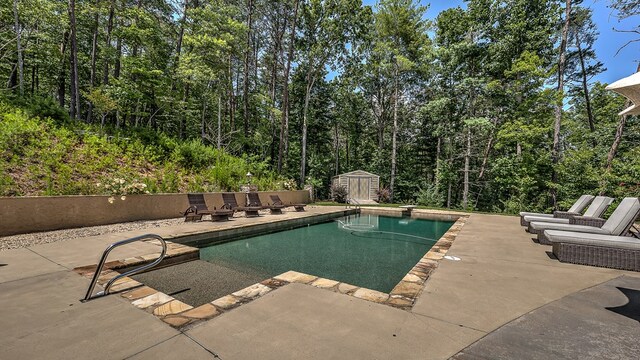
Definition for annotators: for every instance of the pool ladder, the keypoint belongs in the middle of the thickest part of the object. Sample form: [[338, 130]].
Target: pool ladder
[[103, 259], [353, 202]]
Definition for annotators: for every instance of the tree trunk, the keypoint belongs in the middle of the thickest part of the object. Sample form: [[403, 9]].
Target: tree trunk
[[467, 155], [394, 144], [18, 30], [112, 10], [62, 76], [180, 35], [337, 147], [245, 83], [284, 128], [437, 172], [219, 121], [202, 121], [618, 138], [94, 51], [231, 96], [616, 141], [585, 87], [183, 117], [555, 152], [74, 106], [134, 51], [117, 65], [303, 159]]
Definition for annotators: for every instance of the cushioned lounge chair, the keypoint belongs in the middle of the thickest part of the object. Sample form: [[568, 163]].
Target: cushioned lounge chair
[[618, 223], [276, 201], [231, 203], [618, 252], [598, 206], [575, 210], [198, 208], [254, 200]]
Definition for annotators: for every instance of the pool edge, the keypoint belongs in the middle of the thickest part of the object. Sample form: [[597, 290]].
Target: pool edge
[[183, 316]]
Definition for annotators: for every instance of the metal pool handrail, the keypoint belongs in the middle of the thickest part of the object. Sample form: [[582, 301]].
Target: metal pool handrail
[[353, 202], [103, 259]]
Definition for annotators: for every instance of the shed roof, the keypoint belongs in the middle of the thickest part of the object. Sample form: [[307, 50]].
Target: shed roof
[[357, 173]]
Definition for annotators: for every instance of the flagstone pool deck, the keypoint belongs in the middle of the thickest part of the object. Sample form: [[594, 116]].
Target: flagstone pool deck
[[505, 298]]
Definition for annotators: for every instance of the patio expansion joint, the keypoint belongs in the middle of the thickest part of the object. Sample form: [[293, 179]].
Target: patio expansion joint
[[418, 315], [215, 355], [152, 346], [46, 258]]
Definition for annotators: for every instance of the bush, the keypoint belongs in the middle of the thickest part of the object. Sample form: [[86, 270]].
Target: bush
[[430, 196], [194, 154], [339, 193], [384, 195], [46, 107]]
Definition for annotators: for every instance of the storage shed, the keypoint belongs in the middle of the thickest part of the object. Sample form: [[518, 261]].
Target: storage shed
[[360, 185]]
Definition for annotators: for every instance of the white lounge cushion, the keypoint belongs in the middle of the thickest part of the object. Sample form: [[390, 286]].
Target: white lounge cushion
[[581, 204], [577, 207], [623, 217], [570, 237], [538, 226], [598, 206], [546, 219]]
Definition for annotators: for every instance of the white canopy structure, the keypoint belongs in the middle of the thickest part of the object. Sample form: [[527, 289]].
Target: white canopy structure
[[628, 87]]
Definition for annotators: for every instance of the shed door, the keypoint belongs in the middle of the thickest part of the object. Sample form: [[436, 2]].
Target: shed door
[[359, 188]]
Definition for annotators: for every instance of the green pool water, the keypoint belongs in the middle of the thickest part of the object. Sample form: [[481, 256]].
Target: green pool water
[[369, 251]]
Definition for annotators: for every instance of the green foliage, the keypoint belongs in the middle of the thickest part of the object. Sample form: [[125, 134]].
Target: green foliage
[[384, 195], [339, 193], [40, 157], [429, 195], [190, 96]]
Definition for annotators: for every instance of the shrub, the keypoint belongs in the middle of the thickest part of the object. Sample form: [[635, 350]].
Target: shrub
[[194, 154], [430, 196], [384, 195], [339, 193], [46, 107]]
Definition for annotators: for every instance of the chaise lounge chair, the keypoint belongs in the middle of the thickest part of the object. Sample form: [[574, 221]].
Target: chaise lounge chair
[[618, 223], [618, 252], [198, 208], [254, 200], [231, 203], [575, 210], [598, 206], [276, 201]]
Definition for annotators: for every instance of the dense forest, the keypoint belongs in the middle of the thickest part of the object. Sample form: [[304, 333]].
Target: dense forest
[[492, 107]]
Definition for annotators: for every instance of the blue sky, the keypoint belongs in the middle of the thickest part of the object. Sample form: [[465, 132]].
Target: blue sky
[[608, 43]]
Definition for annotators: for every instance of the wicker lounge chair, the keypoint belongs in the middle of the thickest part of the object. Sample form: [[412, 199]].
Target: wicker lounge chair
[[198, 208], [254, 200], [618, 224], [276, 201], [618, 252], [598, 206], [576, 209], [231, 203]]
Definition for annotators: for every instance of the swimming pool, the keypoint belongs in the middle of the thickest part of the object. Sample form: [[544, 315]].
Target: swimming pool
[[370, 251]]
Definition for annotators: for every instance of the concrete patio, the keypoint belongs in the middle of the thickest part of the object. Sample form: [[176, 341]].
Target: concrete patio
[[502, 288]]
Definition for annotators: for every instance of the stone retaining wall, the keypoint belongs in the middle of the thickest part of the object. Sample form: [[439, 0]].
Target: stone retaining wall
[[19, 215]]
